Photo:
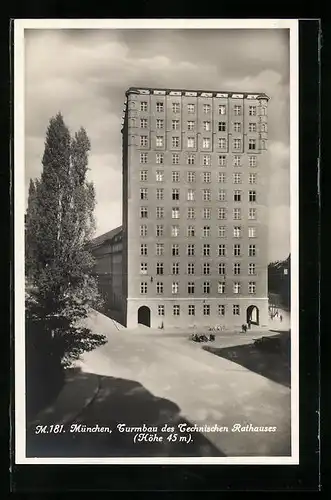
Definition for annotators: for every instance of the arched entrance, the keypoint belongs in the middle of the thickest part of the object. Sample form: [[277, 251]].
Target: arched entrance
[[252, 315], [144, 316]]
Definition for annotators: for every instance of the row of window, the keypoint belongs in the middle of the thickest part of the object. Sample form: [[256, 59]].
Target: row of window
[[222, 214], [206, 268], [206, 177], [206, 193], [207, 108], [206, 142], [206, 159], [206, 287], [191, 310], [222, 250], [206, 248], [207, 125]]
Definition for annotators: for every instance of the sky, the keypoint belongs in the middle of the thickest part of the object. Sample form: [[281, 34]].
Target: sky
[[84, 73]]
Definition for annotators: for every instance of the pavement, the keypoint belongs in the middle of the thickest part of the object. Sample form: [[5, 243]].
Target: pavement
[[157, 378]]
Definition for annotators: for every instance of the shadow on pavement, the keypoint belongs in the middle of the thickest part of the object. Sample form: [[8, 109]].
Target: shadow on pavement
[[120, 401], [273, 365]]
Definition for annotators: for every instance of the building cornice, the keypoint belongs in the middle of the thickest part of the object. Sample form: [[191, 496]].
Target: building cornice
[[197, 93]]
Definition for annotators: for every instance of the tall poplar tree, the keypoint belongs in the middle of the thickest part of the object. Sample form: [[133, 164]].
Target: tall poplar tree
[[59, 227]]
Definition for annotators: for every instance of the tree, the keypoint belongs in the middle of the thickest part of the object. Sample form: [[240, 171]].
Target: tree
[[59, 225]]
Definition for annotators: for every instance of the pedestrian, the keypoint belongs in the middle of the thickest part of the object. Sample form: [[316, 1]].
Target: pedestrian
[[244, 328], [281, 318]]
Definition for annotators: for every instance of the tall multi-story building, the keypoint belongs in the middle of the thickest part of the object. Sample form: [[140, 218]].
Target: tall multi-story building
[[195, 193]]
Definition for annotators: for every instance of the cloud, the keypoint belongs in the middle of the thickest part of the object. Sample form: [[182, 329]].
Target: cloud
[[84, 74]]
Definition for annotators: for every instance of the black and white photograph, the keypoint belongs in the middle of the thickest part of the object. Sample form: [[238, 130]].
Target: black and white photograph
[[156, 241]]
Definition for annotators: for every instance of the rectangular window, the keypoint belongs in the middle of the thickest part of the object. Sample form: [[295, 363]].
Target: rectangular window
[[237, 110], [174, 231], [221, 250], [159, 158], [206, 142], [222, 109], [175, 124], [236, 250], [252, 213], [251, 269], [221, 195], [236, 310], [159, 193], [237, 144], [175, 107], [221, 231], [251, 196], [252, 232], [236, 287], [190, 268], [222, 160], [160, 310], [221, 177], [206, 231], [159, 268], [206, 213], [206, 287], [222, 143], [174, 287], [221, 310], [206, 250], [221, 126], [237, 232], [222, 213], [175, 176], [251, 287], [190, 287], [176, 310], [206, 108], [159, 176], [175, 250], [252, 179], [252, 144], [206, 309], [143, 230], [191, 310], [143, 267], [252, 127], [143, 157], [206, 177], [159, 141], [221, 268], [159, 230], [175, 268], [143, 193], [175, 194], [159, 249], [143, 287], [143, 140], [236, 268], [206, 160], [207, 126], [221, 287], [190, 125], [191, 108], [206, 194], [252, 250], [236, 178], [190, 176], [237, 195], [143, 212], [236, 214], [190, 195], [252, 161], [159, 212], [159, 287], [206, 268], [143, 175], [175, 213], [143, 106], [159, 107], [190, 250], [237, 127], [175, 142], [237, 161], [191, 213], [190, 231], [175, 159], [252, 110], [159, 123], [190, 159]]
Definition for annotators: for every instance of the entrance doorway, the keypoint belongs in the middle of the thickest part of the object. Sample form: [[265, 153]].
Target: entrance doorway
[[144, 316], [252, 315]]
